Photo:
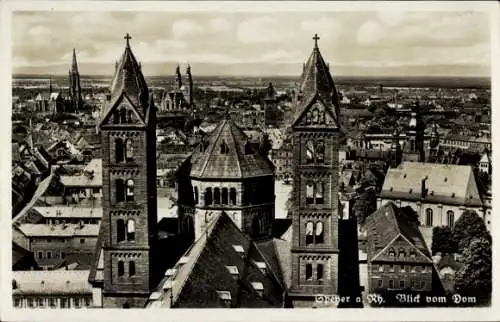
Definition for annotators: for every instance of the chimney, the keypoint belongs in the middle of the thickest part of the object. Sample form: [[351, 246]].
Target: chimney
[[424, 190]]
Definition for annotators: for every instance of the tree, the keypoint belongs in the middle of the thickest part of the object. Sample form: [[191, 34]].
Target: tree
[[468, 227], [365, 205], [442, 240], [474, 278]]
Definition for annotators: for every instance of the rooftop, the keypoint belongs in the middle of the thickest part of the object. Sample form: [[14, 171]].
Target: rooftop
[[51, 282], [62, 230], [69, 212]]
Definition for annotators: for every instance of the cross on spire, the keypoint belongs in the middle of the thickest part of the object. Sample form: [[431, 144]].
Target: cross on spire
[[316, 38], [127, 38]]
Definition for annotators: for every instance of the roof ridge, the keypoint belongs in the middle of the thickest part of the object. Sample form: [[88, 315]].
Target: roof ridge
[[235, 144], [216, 138]]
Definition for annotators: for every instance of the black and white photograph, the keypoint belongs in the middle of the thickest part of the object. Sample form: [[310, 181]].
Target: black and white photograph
[[168, 156]]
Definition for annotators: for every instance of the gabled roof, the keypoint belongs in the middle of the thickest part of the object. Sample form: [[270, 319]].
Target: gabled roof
[[51, 282], [387, 224], [203, 271], [128, 82], [316, 78], [235, 163], [445, 183]]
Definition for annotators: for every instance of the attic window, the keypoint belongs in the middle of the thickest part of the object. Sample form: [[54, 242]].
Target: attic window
[[239, 249], [248, 148], [233, 270], [155, 296], [411, 190], [168, 285], [225, 298], [224, 149], [261, 266], [390, 189], [445, 179], [432, 193], [404, 175], [258, 287], [170, 272], [453, 195], [183, 259]]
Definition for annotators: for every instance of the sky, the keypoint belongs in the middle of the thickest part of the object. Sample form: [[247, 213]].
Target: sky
[[371, 43]]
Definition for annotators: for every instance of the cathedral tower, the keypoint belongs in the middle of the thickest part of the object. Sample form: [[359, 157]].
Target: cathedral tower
[[129, 219], [415, 150], [396, 152], [315, 215], [190, 86], [75, 91]]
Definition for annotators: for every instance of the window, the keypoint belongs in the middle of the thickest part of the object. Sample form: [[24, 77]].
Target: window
[[391, 268], [130, 190], [121, 268], [380, 282], [309, 193], [119, 190], [391, 283], [309, 233], [116, 117], [309, 271], [257, 225], [248, 148], [320, 152], [120, 230], [129, 116], [319, 189], [310, 152], [17, 302], [131, 268], [31, 302], [40, 255], [49, 255], [413, 254], [76, 302], [118, 150], [123, 115], [129, 150], [208, 196], [319, 233], [401, 253], [232, 196], [422, 285], [451, 218], [224, 149], [319, 272], [62, 302], [52, 302], [41, 302], [412, 284], [402, 268], [428, 217], [82, 241], [63, 255], [401, 284], [217, 196], [381, 268], [195, 195], [392, 253], [225, 196], [130, 230]]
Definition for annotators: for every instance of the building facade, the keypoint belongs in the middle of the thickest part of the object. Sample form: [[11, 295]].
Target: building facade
[[315, 218], [129, 187]]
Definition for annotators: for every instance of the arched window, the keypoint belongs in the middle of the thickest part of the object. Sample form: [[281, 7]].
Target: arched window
[[217, 196], [428, 217], [319, 189], [118, 150], [121, 268], [195, 195], [123, 115], [319, 233], [256, 226], [392, 252], [120, 190], [309, 233], [131, 268], [224, 148], [130, 230], [309, 193], [232, 196], [310, 152], [309, 271], [116, 117], [401, 253], [315, 116], [120, 230], [320, 152], [413, 254], [208, 196], [129, 150], [451, 218], [319, 272], [248, 148], [130, 190], [225, 196], [129, 116]]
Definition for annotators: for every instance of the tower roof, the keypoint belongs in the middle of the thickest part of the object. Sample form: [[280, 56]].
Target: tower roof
[[128, 82], [74, 64], [228, 155]]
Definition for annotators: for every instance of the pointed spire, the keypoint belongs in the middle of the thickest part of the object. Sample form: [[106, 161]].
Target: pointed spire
[[74, 64], [188, 70], [50, 84], [178, 76]]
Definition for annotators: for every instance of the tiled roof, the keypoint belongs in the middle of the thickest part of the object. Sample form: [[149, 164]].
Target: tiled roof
[[69, 212], [51, 282], [235, 163], [62, 230], [204, 272], [19, 253], [447, 183], [90, 177], [388, 222]]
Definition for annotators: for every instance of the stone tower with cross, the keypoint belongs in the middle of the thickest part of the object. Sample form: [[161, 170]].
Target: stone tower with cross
[[315, 212], [129, 221]]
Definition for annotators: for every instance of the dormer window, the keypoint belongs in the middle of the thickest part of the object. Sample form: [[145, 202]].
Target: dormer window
[[224, 149], [261, 266], [248, 148], [224, 298], [258, 287], [233, 270], [123, 115]]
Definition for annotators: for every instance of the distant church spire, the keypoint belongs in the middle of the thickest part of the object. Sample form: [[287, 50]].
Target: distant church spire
[[50, 84], [190, 85], [178, 78], [75, 90]]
